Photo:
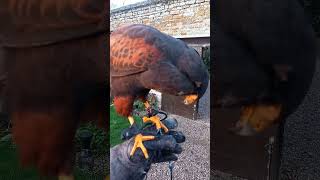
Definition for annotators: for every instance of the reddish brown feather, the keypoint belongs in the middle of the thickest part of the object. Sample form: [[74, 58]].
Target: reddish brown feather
[[123, 105], [42, 138], [44, 103], [24, 7], [131, 54], [143, 58]]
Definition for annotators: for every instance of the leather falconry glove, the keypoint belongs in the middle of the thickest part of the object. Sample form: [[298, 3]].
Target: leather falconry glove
[[162, 149]]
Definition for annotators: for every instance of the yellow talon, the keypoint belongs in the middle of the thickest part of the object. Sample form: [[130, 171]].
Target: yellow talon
[[131, 120], [138, 144], [147, 105], [156, 121], [189, 99]]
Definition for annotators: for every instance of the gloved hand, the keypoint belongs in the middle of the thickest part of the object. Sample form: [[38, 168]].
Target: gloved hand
[[163, 148]]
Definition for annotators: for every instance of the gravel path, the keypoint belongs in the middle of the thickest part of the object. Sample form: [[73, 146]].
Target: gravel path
[[194, 161]]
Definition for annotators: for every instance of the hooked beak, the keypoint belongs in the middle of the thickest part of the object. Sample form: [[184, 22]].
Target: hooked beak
[[256, 118], [189, 99]]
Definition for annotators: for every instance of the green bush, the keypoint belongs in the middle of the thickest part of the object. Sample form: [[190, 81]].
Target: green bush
[[206, 57], [100, 139], [153, 101]]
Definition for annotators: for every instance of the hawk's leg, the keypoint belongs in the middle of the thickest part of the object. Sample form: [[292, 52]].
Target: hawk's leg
[[139, 138], [154, 119], [131, 120], [256, 118]]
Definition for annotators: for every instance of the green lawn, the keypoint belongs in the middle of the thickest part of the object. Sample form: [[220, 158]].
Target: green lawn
[[117, 124], [9, 167]]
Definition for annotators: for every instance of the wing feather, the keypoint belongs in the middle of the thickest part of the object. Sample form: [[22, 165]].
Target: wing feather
[[131, 55], [166, 78]]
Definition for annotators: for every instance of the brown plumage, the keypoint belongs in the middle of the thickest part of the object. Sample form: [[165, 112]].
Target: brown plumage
[[52, 88], [25, 7], [42, 22], [265, 58], [143, 58]]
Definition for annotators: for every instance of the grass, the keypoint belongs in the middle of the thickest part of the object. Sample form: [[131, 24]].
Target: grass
[[117, 124], [9, 166]]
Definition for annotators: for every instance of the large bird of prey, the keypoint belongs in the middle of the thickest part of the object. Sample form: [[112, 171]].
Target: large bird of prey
[[143, 58], [264, 59]]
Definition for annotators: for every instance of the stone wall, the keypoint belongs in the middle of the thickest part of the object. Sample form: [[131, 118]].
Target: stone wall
[[178, 18]]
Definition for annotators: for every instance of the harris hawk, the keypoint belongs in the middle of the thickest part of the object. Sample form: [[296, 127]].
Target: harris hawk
[[265, 56], [143, 58]]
